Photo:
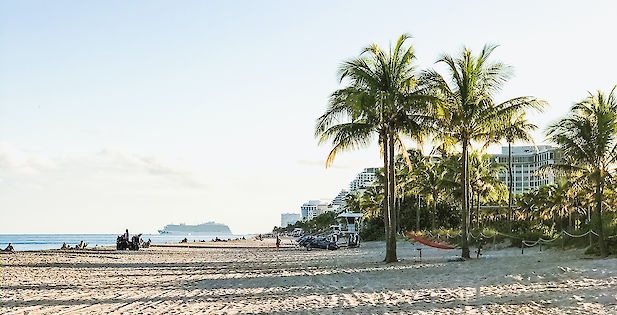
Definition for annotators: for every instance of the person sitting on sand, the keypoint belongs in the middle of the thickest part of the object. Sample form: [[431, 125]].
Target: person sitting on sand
[[81, 245], [9, 248], [65, 246]]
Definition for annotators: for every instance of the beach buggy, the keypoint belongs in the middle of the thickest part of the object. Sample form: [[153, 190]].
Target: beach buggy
[[123, 242]]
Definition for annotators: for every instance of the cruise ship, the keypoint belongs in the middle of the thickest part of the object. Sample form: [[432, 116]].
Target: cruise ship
[[208, 227]]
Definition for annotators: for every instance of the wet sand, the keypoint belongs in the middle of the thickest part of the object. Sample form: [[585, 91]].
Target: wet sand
[[264, 280]]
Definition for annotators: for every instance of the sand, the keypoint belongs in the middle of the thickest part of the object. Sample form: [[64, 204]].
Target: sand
[[263, 280]]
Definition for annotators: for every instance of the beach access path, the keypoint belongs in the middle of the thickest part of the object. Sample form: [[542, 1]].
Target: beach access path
[[264, 280]]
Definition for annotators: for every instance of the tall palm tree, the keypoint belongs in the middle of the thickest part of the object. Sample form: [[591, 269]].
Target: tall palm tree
[[372, 201], [430, 183], [587, 137], [353, 202], [382, 99], [484, 180], [407, 166], [469, 113], [516, 128]]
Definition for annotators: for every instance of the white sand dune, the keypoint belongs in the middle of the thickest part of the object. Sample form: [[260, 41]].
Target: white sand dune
[[295, 281]]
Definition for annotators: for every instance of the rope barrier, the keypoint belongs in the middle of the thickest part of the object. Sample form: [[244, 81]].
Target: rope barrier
[[524, 243], [541, 241], [577, 236], [510, 236]]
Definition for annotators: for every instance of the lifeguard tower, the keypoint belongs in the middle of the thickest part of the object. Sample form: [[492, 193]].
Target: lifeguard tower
[[346, 232]]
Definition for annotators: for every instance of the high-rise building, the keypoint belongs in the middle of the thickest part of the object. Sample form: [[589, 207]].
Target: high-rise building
[[289, 218], [363, 180], [313, 208], [339, 201], [526, 160]]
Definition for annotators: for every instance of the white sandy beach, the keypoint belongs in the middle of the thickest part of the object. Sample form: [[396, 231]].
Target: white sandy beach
[[170, 280]]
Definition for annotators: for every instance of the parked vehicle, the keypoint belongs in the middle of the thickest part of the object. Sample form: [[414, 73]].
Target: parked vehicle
[[311, 242], [297, 232], [122, 243]]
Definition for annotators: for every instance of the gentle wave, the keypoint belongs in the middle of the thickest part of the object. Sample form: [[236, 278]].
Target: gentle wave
[[26, 242]]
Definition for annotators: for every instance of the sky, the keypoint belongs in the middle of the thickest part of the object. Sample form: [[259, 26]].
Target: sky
[[138, 114]]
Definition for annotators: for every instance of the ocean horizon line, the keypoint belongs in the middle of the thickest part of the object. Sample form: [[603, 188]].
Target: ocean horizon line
[[43, 241]]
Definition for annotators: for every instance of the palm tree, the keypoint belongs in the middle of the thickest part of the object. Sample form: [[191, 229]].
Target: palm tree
[[587, 137], [372, 201], [407, 167], [484, 180], [353, 202], [516, 128], [469, 113], [430, 182], [382, 99]]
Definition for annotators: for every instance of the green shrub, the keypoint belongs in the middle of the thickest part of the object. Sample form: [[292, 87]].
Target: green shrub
[[373, 229]]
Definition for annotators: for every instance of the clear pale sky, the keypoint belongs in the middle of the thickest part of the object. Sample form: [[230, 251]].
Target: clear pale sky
[[136, 114]]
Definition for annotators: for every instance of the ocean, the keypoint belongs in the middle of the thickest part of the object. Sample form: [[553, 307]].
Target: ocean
[[28, 242]]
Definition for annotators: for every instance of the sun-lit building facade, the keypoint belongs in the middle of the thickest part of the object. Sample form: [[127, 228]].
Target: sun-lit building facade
[[526, 160], [363, 180], [313, 208]]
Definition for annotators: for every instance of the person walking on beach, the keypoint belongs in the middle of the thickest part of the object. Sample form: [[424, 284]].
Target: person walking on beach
[[278, 241]]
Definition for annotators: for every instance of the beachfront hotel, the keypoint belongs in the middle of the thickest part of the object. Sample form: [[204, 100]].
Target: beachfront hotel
[[313, 208], [525, 161], [339, 201], [363, 180]]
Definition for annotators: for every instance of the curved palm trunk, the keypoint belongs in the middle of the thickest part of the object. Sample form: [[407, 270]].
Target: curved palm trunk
[[391, 236], [598, 213], [465, 211]]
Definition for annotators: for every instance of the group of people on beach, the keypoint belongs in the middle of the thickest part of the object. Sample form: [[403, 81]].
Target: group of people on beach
[[81, 245], [125, 241]]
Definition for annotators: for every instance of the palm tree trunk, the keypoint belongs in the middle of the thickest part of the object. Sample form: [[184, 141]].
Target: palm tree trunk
[[434, 212], [418, 214], [465, 211], [478, 210], [599, 225], [391, 237], [390, 213], [398, 209], [510, 186], [386, 191]]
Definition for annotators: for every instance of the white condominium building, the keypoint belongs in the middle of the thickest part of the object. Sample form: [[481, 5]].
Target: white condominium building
[[363, 180], [313, 208], [525, 161], [339, 200]]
